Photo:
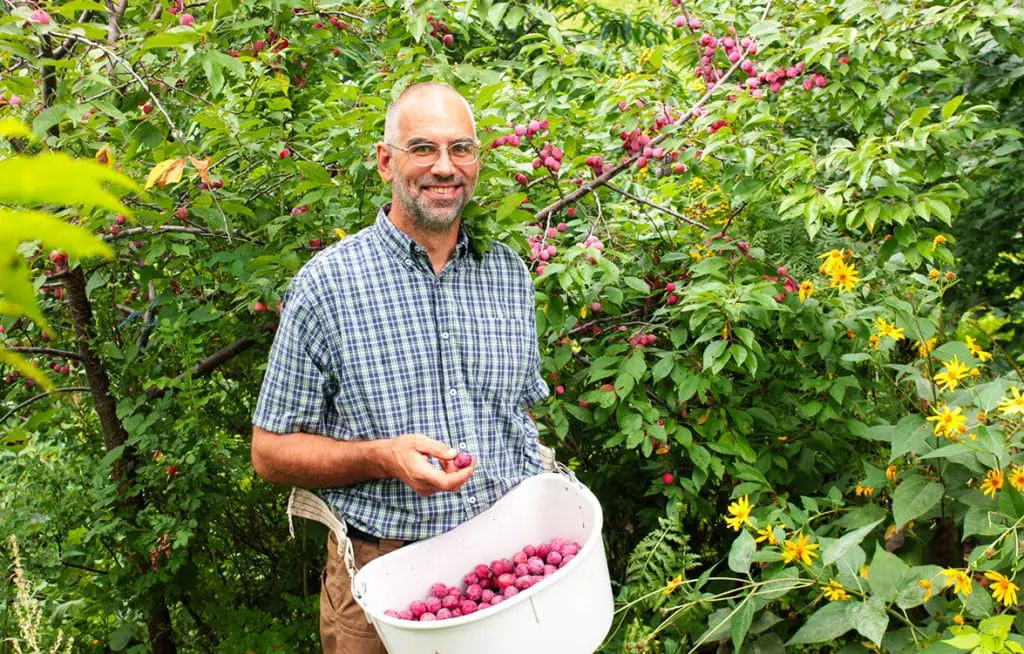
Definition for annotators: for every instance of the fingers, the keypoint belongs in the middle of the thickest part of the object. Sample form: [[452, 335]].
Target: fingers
[[434, 448]]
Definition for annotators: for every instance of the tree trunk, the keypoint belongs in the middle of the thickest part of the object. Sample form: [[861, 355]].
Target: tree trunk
[[158, 617]]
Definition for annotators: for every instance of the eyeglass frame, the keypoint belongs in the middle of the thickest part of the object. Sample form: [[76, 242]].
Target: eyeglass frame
[[447, 148]]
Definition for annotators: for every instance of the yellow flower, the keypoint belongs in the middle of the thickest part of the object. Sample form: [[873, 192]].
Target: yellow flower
[[583, 311], [1003, 590], [696, 255], [923, 348], [976, 350], [799, 550], [1013, 404], [866, 491], [1017, 477], [933, 274], [938, 240], [960, 579], [835, 591], [975, 372], [339, 232], [740, 511], [864, 571], [927, 585], [993, 482], [886, 328], [672, 584], [766, 534], [951, 376], [890, 473], [947, 422], [958, 620], [874, 340], [844, 276], [806, 290], [831, 260]]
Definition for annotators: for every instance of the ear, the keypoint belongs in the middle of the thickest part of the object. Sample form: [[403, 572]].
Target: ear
[[384, 162]]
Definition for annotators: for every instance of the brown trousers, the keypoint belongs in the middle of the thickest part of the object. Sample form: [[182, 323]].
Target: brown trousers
[[343, 625]]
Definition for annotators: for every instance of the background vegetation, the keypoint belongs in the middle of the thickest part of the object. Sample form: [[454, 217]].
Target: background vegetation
[[781, 318]]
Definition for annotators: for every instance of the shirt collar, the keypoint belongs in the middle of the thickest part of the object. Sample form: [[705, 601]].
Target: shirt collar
[[399, 243]]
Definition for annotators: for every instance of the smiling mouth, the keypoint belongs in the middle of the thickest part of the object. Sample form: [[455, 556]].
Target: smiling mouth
[[444, 191]]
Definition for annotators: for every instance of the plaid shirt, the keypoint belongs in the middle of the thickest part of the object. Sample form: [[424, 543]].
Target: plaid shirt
[[373, 344]]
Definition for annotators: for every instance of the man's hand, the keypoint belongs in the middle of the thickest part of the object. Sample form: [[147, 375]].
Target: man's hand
[[409, 460]]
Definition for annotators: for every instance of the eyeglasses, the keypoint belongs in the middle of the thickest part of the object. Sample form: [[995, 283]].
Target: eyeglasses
[[426, 154]]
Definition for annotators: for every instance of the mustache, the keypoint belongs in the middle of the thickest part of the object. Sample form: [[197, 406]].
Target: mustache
[[443, 182]]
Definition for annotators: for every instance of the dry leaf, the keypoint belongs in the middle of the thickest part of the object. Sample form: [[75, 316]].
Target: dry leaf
[[104, 157], [203, 167], [166, 172]]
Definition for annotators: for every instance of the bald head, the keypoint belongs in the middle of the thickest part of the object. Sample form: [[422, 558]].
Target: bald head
[[415, 95]]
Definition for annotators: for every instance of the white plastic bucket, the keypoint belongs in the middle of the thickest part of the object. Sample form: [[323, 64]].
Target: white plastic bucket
[[569, 613]]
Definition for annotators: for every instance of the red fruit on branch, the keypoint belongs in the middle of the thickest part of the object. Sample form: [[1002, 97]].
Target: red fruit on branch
[[259, 307], [668, 478], [186, 19], [181, 213], [284, 153]]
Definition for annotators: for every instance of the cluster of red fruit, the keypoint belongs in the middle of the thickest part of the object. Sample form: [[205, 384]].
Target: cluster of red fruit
[[14, 375], [539, 248], [515, 139], [550, 157], [788, 285], [333, 20], [440, 31], [176, 7], [486, 586]]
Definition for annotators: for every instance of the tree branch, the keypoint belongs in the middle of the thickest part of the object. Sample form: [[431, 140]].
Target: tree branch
[[66, 389], [209, 364], [670, 212], [47, 350]]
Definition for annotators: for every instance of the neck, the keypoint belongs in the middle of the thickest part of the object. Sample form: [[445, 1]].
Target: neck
[[440, 246]]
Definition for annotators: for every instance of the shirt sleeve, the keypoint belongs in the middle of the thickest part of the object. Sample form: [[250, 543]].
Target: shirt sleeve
[[536, 389], [296, 385]]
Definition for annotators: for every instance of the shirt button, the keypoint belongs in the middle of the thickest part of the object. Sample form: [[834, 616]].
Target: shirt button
[[408, 262], [444, 334], [472, 500], [453, 392], [462, 446]]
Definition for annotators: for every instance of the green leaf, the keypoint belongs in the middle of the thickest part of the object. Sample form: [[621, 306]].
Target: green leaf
[[21, 226], [637, 284], [55, 177], [832, 552], [508, 204], [914, 497], [636, 365], [869, 618], [950, 107], [713, 351], [172, 39], [663, 368], [742, 552], [827, 623], [741, 623], [885, 574]]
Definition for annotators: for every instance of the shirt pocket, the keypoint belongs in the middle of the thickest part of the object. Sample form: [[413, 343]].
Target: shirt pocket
[[497, 355]]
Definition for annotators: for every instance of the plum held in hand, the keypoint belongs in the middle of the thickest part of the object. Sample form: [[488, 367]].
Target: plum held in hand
[[463, 460]]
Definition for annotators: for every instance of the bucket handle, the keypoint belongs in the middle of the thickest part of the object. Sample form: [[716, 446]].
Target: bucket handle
[[564, 470], [305, 504]]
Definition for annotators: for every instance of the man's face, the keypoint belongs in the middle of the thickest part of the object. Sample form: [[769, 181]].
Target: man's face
[[432, 196]]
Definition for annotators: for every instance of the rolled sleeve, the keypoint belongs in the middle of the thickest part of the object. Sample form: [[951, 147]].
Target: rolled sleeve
[[296, 385]]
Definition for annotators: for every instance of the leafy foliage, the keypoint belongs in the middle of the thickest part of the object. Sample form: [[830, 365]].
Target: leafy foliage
[[242, 145]]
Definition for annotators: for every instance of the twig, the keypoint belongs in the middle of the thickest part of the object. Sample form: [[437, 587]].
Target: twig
[[66, 389], [670, 212], [47, 350]]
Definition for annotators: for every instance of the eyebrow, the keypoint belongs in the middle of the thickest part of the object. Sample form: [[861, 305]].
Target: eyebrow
[[419, 140]]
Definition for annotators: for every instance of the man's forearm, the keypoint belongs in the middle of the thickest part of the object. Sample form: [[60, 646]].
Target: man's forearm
[[313, 461]]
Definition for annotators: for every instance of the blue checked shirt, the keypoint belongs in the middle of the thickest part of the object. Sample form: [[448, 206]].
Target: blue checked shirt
[[373, 344]]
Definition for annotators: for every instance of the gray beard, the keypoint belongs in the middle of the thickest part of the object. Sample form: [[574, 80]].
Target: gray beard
[[427, 220]]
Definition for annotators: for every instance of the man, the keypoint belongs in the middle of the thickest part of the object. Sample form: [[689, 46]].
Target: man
[[398, 348]]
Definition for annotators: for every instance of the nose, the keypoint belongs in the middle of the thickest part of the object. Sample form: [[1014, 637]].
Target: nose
[[443, 167]]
